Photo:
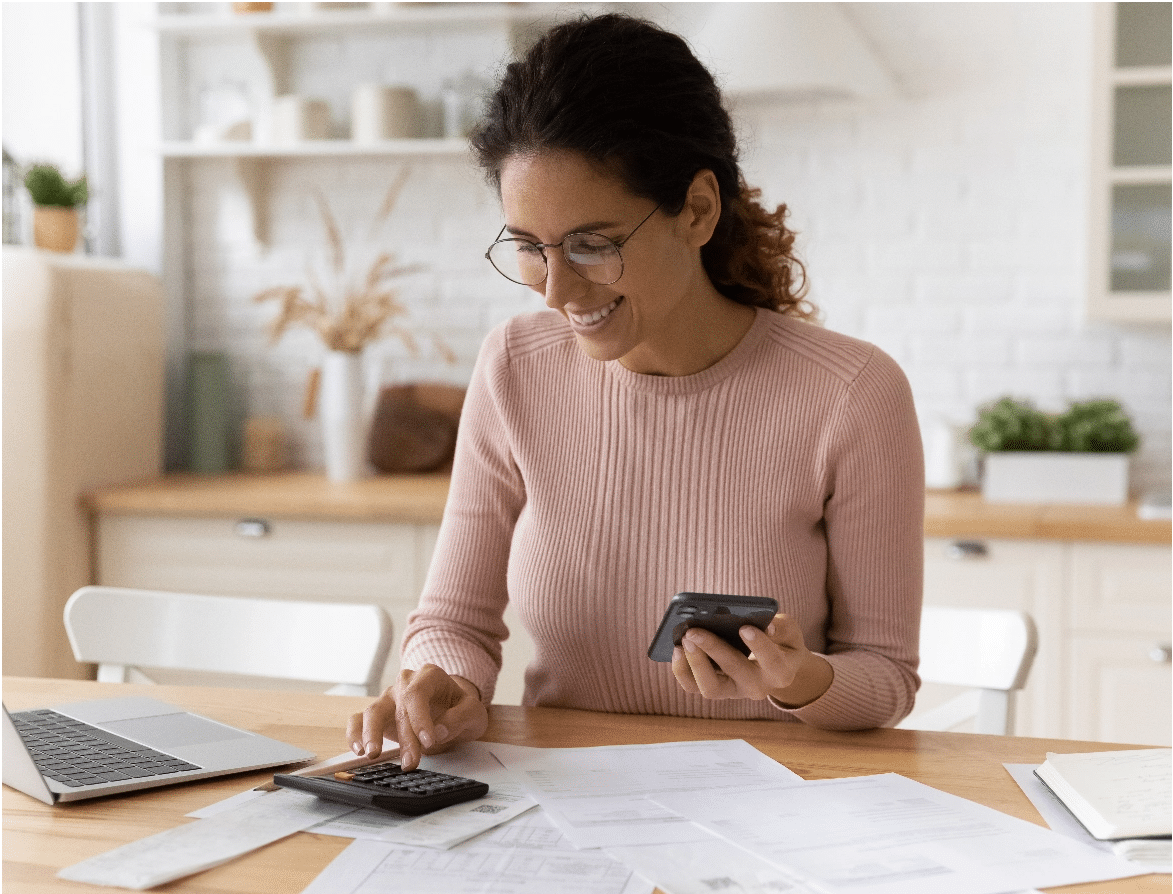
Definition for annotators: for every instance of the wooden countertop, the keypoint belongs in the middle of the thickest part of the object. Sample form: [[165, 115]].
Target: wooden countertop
[[304, 495], [963, 513], [420, 499]]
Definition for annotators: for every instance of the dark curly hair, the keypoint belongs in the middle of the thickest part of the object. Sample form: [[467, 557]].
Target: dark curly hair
[[632, 97]]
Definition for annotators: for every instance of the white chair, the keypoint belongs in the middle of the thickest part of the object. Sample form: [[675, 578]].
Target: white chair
[[127, 632], [989, 651]]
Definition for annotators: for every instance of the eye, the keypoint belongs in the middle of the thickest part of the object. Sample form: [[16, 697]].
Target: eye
[[590, 249]]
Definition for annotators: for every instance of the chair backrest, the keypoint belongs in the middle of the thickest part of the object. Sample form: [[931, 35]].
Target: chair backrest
[[988, 651], [323, 642]]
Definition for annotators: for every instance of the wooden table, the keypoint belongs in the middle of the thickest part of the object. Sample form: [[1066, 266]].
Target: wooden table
[[39, 840]]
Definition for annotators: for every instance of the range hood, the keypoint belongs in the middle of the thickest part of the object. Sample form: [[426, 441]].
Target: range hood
[[789, 51]]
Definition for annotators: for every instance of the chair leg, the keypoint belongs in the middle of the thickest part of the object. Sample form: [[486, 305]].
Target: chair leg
[[113, 673], [995, 715]]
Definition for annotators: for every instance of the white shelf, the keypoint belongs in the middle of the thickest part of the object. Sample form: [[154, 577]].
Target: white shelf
[[423, 15], [432, 148]]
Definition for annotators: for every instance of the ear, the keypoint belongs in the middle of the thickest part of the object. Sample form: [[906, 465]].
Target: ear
[[702, 209]]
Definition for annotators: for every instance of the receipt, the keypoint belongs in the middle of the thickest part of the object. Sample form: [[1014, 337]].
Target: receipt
[[204, 843]]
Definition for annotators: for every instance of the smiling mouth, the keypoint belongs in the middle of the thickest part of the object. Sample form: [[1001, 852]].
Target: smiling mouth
[[595, 316]]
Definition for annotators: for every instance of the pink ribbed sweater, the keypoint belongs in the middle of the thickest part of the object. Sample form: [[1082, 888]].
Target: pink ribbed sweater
[[588, 495]]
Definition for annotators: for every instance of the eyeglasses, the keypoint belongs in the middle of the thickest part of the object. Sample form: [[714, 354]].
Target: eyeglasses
[[590, 255]]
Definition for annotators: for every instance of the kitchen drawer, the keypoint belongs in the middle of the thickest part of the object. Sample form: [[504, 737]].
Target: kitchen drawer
[[1120, 587], [383, 563], [345, 561]]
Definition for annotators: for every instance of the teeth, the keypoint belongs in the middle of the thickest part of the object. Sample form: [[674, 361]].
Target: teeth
[[590, 319]]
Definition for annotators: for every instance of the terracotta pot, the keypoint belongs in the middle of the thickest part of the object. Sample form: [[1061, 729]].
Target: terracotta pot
[[55, 229]]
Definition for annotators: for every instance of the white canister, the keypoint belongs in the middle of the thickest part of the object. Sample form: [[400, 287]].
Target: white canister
[[297, 118], [379, 113]]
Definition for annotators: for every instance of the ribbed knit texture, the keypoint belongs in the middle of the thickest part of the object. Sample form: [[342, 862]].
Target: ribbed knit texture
[[589, 495]]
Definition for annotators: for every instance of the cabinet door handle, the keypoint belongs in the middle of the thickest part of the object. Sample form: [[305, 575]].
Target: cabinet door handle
[[1161, 653], [967, 549], [252, 527]]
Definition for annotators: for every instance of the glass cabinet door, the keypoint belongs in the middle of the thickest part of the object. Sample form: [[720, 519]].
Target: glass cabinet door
[[1131, 207]]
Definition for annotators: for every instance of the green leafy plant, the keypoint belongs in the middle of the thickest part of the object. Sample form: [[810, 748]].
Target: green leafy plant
[[48, 188], [1011, 424], [1094, 426]]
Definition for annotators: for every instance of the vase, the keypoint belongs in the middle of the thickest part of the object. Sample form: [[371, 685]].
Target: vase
[[54, 228], [1055, 477], [342, 412]]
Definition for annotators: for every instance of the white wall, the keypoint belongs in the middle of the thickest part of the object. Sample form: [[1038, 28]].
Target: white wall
[[947, 225], [950, 226]]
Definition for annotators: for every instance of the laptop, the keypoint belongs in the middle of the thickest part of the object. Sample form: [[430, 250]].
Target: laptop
[[101, 747]]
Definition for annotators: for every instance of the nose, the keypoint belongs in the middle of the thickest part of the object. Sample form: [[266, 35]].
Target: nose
[[562, 284]]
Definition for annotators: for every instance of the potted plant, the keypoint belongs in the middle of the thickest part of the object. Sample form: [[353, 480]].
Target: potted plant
[[1078, 456], [55, 217]]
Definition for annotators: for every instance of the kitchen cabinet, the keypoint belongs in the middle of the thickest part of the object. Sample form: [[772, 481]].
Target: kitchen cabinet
[[1096, 580], [291, 536], [1102, 610], [1130, 164]]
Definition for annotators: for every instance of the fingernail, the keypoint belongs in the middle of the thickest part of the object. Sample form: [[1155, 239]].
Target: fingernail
[[357, 748], [690, 645], [426, 739], [441, 733], [749, 633], [770, 630]]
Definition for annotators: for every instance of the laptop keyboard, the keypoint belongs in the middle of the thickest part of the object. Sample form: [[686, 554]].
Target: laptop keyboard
[[76, 754]]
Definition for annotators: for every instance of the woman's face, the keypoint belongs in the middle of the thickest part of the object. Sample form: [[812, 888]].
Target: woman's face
[[640, 318]]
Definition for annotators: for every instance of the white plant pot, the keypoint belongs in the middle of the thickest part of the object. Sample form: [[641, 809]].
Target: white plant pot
[[1054, 477], [344, 416]]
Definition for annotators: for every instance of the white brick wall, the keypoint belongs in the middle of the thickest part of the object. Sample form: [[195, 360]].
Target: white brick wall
[[948, 226]]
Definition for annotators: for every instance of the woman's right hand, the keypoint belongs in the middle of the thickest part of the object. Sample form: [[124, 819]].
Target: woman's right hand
[[426, 712]]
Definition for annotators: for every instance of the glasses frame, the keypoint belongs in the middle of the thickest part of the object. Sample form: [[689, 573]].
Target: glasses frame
[[542, 246]]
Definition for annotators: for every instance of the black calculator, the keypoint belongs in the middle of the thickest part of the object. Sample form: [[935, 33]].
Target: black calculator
[[388, 786]]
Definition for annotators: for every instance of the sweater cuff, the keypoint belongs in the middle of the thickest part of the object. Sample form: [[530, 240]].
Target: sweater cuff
[[850, 702], [457, 660]]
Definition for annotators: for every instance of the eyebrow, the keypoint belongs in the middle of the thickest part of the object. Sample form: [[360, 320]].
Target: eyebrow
[[589, 227]]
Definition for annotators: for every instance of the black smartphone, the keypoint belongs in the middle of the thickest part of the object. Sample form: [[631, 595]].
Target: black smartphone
[[723, 615]]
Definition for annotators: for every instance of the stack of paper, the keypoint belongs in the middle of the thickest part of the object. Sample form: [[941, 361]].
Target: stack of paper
[[687, 817]]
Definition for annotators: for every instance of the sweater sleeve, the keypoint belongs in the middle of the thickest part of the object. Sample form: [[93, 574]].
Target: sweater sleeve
[[874, 520], [458, 623]]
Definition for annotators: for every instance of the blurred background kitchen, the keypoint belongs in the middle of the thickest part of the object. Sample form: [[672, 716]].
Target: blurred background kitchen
[[981, 189]]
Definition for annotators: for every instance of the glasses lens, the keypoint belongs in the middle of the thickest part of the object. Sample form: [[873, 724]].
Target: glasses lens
[[518, 260], [594, 257]]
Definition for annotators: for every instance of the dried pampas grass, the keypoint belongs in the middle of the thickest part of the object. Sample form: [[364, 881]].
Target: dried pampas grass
[[354, 314]]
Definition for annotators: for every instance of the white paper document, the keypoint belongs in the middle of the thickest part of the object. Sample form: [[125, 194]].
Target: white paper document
[[525, 856], [888, 834], [705, 867], [204, 843], [603, 797]]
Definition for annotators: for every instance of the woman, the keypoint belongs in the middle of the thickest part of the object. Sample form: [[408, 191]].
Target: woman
[[672, 423]]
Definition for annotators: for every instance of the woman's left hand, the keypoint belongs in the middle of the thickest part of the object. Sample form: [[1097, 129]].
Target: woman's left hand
[[781, 666]]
